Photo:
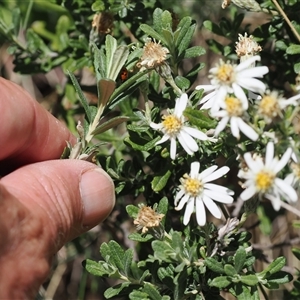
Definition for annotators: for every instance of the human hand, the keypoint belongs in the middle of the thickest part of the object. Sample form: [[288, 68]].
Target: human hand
[[44, 202]]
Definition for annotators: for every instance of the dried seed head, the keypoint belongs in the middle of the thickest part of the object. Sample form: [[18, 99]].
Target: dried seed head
[[246, 46], [147, 218], [154, 55]]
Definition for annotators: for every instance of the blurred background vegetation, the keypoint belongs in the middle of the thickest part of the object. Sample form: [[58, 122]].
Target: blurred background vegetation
[[41, 40]]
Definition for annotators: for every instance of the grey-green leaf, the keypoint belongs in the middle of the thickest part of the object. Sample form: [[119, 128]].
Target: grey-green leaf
[[159, 182]]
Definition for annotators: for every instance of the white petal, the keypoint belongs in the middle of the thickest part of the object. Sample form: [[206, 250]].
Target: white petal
[[220, 97], [196, 133], [218, 188], [163, 139], [173, 148], [240, 94], [221, 125], [252, 84], [217, 174], [156, 126], [217, 196], [247, 130], [207, 97], [178, 196], [234, 127], [182, 202], [284, 160], [205, 87], [207, 172], [212, 207], [195, 167], [245, 64], [254, 72], [200, 212], [269, 154], [180, 105], [188, 211], [286, 189], [187, 142], [254, 165], [275, 200], [248, 193]]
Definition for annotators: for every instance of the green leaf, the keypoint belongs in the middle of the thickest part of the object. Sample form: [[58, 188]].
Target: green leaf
[[182, 30], [186, 40], [152, 291], [163, 207], [82, 98], [151, 32], [166, 20], [182, 82], [251, 279], [138, 295], [194, 52], [297, 68], [127, 261], [146, 147], [214, 265], [279, 278], [119, 58], [135, 236], [239, 259], [132, 210], [293, 49], [159, 182], [229, 270], [110, 47], [220, 282], [296, 252], [274, 267], [199, 118], [114, 291], [95, 268], [116, 255], [109, 124], [209, 25]]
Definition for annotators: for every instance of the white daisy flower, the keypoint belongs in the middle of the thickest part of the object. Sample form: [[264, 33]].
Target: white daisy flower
[[272, 104], [233, 111], [196, 190], [261, 177], [227, 78], [173, 126]]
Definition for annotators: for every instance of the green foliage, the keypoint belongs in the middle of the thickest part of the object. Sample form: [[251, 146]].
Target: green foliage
[[135, 91]]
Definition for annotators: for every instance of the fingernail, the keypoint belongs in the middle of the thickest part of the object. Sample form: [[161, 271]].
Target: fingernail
[[98, 196]]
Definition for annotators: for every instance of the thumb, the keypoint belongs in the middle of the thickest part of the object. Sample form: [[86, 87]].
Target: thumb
[[42, 206], [70, 196]]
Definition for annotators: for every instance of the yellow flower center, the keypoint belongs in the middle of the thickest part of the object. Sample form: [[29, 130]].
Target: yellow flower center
[[225, 73], [172, 124], [234, 106], [264, 180], [269, 107], [296, 170], [192, 186]]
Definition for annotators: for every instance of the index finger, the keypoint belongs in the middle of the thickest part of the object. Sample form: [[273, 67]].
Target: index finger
[[28, 133]]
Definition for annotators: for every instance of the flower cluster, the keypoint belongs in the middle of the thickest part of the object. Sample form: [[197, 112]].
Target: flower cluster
[[229, 98]]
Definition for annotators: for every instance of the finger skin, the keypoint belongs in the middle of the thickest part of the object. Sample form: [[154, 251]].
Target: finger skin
[[42, 209], [28, 133]]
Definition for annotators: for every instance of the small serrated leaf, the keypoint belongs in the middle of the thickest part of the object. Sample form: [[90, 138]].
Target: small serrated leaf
[[250, 279], [293, 49], [229, 270], [199, 118], [114, 291], [139, 237], [194, 52], [116, 255], [151, 32], [132, 210]]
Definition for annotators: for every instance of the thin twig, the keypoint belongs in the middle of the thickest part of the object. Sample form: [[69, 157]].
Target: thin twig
[[287, 19]]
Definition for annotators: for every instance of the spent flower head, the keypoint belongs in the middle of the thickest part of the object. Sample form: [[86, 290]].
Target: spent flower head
[[154, 55], [147, 218], [233, 110], [227, 78], [173, 127], [261, 177], [197, 191], [246, 47]]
